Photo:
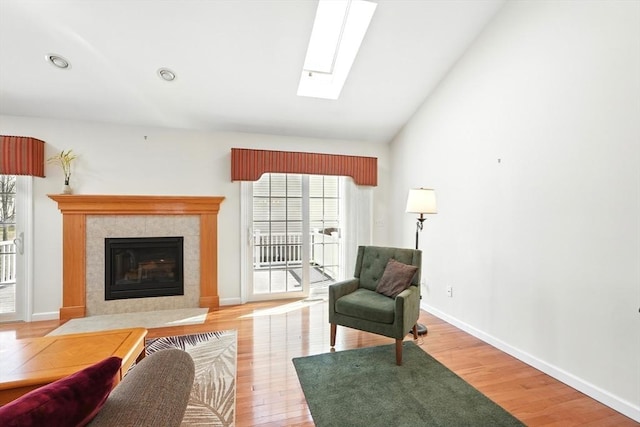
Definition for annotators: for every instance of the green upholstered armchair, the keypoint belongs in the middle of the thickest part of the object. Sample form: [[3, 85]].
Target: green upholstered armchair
[[356, 304]]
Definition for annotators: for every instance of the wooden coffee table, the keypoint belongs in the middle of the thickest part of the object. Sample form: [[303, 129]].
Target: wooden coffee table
[[29, 363]]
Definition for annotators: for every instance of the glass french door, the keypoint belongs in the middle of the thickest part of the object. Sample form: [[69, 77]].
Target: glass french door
[[15, 207], [326, 231], [295, 247]]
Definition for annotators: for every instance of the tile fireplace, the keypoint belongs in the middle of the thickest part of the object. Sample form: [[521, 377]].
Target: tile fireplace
[[79, 210]]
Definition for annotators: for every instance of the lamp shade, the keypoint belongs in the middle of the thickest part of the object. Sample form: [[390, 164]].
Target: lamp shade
[[422, 201]]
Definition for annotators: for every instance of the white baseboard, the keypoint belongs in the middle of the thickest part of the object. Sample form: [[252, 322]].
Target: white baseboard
[[52, 315], [602, 396], [230, 301]]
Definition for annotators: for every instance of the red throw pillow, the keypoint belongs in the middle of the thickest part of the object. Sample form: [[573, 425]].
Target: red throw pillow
[[396, 278], [70, 401]]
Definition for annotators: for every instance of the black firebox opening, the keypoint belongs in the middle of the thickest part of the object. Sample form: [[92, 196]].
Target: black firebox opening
[[139, 267]]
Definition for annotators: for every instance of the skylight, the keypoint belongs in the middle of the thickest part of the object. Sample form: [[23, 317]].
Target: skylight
[[338, 31]]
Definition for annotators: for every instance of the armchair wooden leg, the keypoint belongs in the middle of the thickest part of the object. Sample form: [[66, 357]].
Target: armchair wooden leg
[[333, 334], [399, 352], [415, 331]]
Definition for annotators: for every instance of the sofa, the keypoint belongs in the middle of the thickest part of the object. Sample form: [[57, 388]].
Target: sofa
[[155, 392]]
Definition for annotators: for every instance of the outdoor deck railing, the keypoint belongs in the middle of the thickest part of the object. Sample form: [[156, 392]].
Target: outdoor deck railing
[[278, 249], [7, 262]]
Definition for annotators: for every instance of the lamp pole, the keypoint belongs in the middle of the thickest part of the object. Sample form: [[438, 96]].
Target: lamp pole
[[421, 201], [422, 329], [419, 226]]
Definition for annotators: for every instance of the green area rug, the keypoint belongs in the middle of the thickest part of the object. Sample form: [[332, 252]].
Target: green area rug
[[364, 387]]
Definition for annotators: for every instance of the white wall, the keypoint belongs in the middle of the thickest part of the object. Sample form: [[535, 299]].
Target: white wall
[[119, 160], [532, 143]]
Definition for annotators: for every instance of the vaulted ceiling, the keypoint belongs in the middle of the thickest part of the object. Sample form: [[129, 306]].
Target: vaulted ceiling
[[238, 63]]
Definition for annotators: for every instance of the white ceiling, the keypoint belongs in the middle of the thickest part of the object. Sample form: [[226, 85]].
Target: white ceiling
[[238, 63]]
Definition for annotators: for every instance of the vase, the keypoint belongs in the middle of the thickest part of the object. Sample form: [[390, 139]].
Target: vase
[[66, 189]]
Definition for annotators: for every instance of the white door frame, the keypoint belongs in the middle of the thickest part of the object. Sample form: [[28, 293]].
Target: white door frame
[[24, 252], [246, 251], [357, 210]]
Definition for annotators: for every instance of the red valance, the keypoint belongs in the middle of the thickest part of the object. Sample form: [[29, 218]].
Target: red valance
[[249, 165], [21, 155]]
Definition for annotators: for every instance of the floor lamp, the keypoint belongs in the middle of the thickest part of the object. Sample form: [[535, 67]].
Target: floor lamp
[[421, 201]]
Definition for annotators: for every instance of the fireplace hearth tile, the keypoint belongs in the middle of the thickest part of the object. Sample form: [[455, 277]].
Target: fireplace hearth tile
[[101, 227]]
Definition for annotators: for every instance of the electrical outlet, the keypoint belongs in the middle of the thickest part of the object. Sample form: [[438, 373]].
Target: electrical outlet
[[450, 291]]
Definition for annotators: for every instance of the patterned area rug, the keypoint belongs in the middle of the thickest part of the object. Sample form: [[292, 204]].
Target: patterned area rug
[[212, 400]]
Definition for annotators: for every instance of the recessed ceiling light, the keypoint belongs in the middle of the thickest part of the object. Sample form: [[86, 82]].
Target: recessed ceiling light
[[166, 74], [58, 61]]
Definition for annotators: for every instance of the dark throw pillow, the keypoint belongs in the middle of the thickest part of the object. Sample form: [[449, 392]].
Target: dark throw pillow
[[70, 401], [396, 278]]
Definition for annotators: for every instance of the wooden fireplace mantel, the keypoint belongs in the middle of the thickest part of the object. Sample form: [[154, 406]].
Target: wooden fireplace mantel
[[76, 208]]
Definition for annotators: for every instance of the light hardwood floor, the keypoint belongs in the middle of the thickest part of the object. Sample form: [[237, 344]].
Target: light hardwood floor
[[270, 334]]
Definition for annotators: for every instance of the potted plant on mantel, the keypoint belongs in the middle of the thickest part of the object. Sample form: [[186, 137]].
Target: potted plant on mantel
[[64, 159]]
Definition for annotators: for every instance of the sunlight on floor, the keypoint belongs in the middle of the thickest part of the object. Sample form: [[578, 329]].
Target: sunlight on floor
[[200, 318], [6, 336], [282, 309]]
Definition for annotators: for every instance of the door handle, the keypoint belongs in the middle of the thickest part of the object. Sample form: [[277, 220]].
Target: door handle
[[19, 242]]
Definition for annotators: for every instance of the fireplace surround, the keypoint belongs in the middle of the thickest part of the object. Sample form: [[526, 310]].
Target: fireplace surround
[[77, 209]]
